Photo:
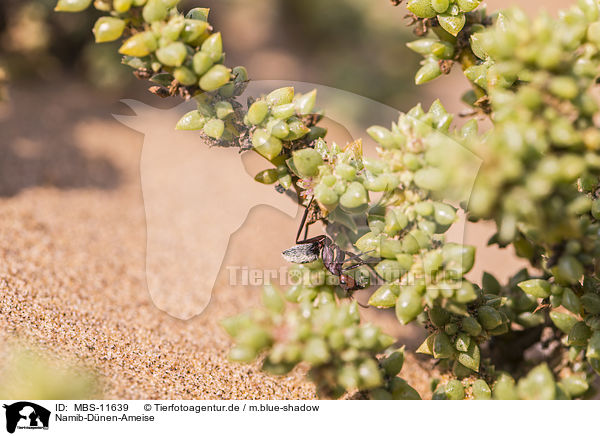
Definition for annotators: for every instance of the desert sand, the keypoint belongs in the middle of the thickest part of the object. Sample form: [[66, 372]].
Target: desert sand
[[73, 249]]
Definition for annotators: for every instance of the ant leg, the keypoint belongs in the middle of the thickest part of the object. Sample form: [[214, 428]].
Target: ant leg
[[355, 265], [364, 306], [352, 256], [374, 271], [303, 222]]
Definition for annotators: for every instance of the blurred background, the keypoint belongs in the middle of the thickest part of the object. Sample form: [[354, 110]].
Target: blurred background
[[72, 218], [350, 44]]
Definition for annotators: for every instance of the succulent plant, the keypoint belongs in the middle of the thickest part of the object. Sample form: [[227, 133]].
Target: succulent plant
[[538, 182]]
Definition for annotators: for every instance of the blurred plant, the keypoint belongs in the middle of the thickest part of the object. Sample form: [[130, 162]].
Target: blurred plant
[[350, 29], [538, 183], [40, 44], [31, 374]]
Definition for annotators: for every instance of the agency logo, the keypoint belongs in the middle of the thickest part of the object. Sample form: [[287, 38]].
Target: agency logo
[[26, 415]]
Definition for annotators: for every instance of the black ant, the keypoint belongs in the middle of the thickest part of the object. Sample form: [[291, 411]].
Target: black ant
[[334, 258]]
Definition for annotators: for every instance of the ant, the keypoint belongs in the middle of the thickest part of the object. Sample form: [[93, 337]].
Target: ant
[[334, 258]]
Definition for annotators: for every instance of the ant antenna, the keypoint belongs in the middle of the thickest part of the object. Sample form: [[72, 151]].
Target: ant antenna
[[303, 222]]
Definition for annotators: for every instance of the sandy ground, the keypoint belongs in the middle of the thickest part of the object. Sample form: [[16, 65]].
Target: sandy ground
[[73, 245], [73, 249]]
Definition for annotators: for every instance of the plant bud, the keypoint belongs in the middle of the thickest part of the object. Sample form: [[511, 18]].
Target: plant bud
[[368, 242], [254, 337], [432, 261], [455, 390], [223, 109], [173, 28], [537, 288], [593, 347], [193, 29], [348, 377], [355, 197], [267, 177], [265, 144], [235, 324], [571, 301], [579, 334], [305, 103], [468, 5], [471, 326], [431, 179], [505, 389], [458, 258], [214, 128], [438, 316], [172, 55], [394, 222], [283, 111], [280, 130], [563, 321], [596, 209], [326, 196], [489, 317], [213, 47], [201, 63], [575, 385], [385, 296], [389, 270], [440, 6], [280, 96], [442, 347], [214, 78], [564, 87], [593, 321], [193, 120], [272, 299], [428, 72], [427, 346], [490, 284], [423, 46], [591, 303], [108, 29], [408, 305], [481, 390], [316, 132], [185, 76], [345, 171], [155, 10], [139, 45], [307, 162], [444, 214], [72, 5], [382, 136], [243, 354], [198, 14], [258, 112], [538, 384], [593, 33], [452, 24], [393, 363], [122, 6], [424, 208], [421, 8], [297, 130], [466, 293], [471, 357], [370, 375], [316, 352]]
